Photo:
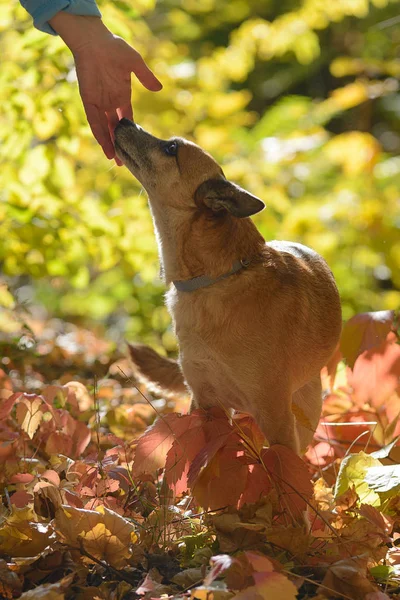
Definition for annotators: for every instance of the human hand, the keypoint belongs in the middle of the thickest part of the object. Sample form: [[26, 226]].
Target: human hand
[[104, 64]]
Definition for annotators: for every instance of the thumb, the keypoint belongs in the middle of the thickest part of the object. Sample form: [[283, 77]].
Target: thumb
[[143, 73]]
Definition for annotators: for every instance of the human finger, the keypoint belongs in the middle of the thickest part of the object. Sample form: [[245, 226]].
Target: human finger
[[98, 122], [125, 112], [113, 120], [144, 73]]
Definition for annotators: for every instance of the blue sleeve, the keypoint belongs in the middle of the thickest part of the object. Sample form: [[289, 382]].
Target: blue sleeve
[[43, 10]]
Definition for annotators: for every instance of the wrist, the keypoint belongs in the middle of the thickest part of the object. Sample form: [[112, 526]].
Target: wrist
[[78, 31]]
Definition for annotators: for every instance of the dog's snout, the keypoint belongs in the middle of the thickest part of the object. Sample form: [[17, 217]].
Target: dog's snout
[[124, 124]]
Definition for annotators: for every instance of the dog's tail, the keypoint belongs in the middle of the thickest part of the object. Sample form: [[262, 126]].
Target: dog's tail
[[160, 374]]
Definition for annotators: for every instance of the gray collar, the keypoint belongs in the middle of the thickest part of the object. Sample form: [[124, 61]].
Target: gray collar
[[191, 285]]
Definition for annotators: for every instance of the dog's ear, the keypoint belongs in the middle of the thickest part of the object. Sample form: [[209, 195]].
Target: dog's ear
[[220, 194]]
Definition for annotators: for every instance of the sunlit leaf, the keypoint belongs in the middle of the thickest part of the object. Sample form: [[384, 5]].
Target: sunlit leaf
[[364, 331], [29, 413], [352, 472]]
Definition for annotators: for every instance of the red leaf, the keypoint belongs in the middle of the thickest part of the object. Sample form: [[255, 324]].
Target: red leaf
[[59, 443], [6, 405], [21, 498], [268, 584], [222, 482], [207, 453], [376, 374], [365, 331], [180, 456], [51, 476], [291, 477], [22, 478], [321, 454], [155, 443], [258, 484], [81, 438]]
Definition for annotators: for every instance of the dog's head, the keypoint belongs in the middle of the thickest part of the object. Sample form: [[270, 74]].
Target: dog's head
[[178, 174]]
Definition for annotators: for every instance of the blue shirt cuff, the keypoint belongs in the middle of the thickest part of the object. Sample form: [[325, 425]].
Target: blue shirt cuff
[[43, 10]]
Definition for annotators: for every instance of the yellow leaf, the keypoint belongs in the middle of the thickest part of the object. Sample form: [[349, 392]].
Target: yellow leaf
[[352, 472], [100, 543], [6, 298], [47, 124], [356, 152], [29, 413], [210, 593], [22, 536], [350, 95], [103, 533]]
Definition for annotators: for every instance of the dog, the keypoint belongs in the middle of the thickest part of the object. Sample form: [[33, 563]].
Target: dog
[[255, 321]]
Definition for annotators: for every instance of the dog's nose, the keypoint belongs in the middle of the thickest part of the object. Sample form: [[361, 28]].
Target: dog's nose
[[125, 123]]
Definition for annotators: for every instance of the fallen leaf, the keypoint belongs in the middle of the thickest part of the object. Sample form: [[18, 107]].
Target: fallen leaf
[[363, 332], [49, 591], [348, 578], [29, 413], [103, 533], [376, 374], [21, 535], [383, 478], [7, 404], [154, 444], [212, 592], [290, 476], [352, 472], [268, 584]]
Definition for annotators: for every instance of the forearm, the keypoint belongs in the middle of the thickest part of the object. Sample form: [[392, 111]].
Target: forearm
[[78, 31]]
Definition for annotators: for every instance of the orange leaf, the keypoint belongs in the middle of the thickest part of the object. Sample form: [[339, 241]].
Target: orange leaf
[[217, 432], [290, 475], [268, 584], [22, 478], [185, 448], [376, 374], [51, 476], [348, 578], [363, 332], [6, 405], [328, 373], [21, 499], [155, 443], [102, 532], [222, 482], [59, 442], [258, 484]]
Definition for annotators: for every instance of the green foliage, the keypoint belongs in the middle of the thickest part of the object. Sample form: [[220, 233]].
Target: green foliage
[[297, 101]]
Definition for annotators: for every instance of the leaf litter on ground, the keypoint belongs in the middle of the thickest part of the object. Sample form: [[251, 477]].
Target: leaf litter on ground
[[105, 497]]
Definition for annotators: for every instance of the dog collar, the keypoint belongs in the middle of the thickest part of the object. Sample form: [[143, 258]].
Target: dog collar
[[191, 285]]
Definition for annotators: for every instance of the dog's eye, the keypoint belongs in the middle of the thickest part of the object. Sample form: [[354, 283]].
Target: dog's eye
[[171, 149]]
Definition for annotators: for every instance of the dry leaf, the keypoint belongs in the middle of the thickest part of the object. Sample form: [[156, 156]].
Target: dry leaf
[[346, 577], [29, 413]]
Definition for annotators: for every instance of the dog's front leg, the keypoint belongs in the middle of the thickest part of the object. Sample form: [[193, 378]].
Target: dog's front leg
[[276, 420], [307, 407]]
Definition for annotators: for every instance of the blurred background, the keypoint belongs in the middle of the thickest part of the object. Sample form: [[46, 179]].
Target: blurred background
[[298, 100]]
